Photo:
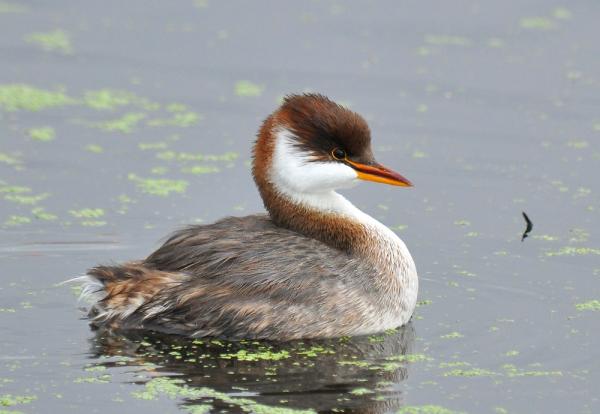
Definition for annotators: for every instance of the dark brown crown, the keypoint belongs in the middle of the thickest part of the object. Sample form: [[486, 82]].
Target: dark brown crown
[[322, 125]]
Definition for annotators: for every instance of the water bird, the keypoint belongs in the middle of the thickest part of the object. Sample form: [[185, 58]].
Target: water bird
[[315, 266]]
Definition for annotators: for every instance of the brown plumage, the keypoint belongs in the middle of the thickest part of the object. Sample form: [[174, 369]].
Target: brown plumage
[[314, 267]]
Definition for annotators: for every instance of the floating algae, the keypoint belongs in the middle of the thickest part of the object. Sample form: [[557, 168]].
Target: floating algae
[[42, 134], [54, 41], [17, 96], [246, 88], [159, 186]]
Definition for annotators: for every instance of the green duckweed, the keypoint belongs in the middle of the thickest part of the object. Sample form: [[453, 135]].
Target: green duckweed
[[53, 41], [266, 355], [176, 388], [537, 23], [9, 159], [125, 124], [574, 251], [9, 400], [590, 305], [200, 169], [452, 335], [111, 99], [183, 119], [87, 213], [6, 7], [96, 149], [426, 409], [246, 88], [17, 96], [42, 134], [159, 186], [15, 220]]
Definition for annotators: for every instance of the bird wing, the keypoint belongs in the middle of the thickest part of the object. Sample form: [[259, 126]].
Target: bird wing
[[248, 277]]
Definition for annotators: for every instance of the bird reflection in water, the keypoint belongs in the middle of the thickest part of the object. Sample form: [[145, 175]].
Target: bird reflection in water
[[360, 374]]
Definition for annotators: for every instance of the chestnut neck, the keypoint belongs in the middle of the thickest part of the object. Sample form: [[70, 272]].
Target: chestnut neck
[[331, 227]]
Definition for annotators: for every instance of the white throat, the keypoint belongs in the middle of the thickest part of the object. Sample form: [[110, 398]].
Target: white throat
[[312, 184]]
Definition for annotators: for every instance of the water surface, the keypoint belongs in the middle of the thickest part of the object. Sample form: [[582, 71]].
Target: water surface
[[121, 121]]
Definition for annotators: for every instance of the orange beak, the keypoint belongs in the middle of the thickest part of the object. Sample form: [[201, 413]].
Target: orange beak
[[379, 174]]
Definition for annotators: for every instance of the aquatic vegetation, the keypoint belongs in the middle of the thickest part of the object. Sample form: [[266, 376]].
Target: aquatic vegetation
[[314, 351], [452, 335], [16, 96], [176, 388], [159, 170], [15, 220], [182, 119], [198, 409], [96, 149], [361, 391], [187, 156], [409, 358], [263, 355], [495, 42], [125, 124], [9, 159], [246, 88], [200, 169], [42, 134], [8, 400], [562, 13], [111, 99], [574, 251], [426, 409], [577, 143], [454, 364], [54, 41], [473, 372], [513, 371], [159, 186], [538, 23], [87, 213], [26, 199], [152, 145], [545, 237], [590, 305], [361, 364], [582, 192], [7, 7], [16, 189], [578, 235], [102, 379]]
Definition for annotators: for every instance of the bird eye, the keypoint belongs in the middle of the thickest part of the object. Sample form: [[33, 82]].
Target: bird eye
[[338, 154]]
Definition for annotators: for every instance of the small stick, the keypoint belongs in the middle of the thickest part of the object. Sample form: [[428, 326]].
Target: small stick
[[529, 226]]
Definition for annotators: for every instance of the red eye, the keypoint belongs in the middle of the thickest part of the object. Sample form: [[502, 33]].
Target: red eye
[[338, 154]]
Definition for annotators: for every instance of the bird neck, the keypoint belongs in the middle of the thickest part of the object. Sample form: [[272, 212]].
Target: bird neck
[[327, 217]]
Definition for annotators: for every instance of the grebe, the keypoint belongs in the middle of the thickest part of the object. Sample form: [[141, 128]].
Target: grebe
[[315, 266]]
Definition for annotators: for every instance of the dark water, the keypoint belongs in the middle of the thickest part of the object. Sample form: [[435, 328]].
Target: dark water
[[120, 121]]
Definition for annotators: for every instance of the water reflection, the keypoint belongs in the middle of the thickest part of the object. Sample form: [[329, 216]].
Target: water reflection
[[351, 374]]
